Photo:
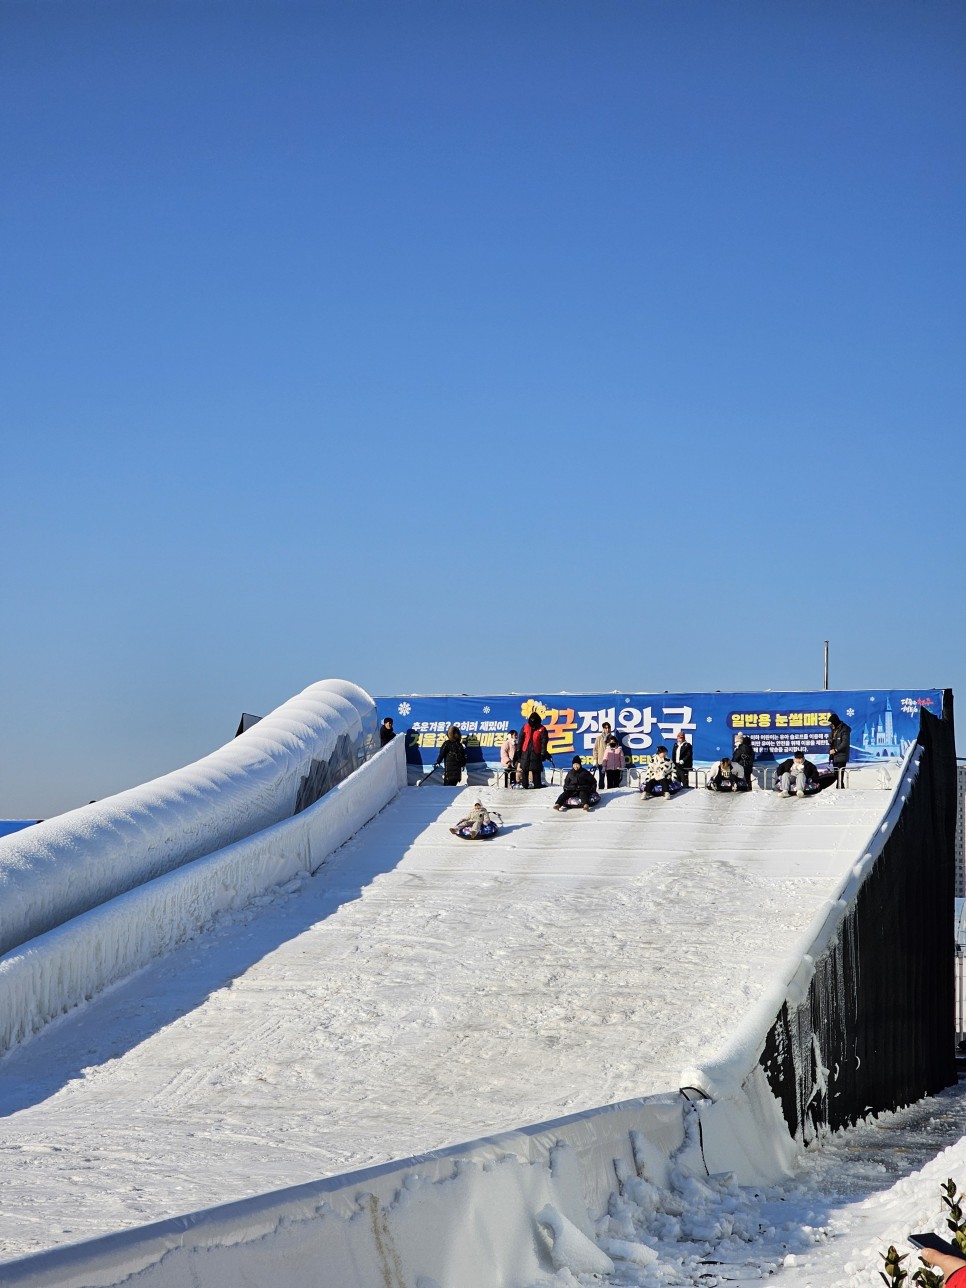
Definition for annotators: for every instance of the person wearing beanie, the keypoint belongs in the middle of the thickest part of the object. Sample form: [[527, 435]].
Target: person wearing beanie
[[579, 782], [839, 747]]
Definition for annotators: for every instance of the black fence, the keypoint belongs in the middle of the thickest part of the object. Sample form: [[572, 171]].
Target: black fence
[[876, 1029]]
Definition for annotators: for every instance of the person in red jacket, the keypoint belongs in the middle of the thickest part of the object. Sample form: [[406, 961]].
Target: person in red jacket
[[533, 750], [954, 1268]]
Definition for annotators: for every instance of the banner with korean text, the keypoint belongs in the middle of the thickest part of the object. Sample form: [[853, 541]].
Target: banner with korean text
[[884, 722]]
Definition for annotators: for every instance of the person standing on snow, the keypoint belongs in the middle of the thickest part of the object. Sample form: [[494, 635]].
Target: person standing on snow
[[533, 750], [508, 754], [839, 746], [452, 756], [683, 758], [744, 755], [386, 731], [600, 750], [613, 764]]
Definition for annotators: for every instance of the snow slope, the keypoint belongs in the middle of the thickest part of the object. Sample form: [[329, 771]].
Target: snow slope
[[419, 991]]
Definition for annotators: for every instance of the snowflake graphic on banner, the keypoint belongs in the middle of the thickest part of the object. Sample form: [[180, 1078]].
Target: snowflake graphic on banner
[[850, 712], [404, 708], [486, 711]]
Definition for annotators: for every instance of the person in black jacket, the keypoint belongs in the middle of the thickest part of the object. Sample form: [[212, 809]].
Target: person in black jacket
[[386, 731], [532, 750], [799, 772], [839, 746], [452, 756], [683, 758], [744, 755], [579, 782]]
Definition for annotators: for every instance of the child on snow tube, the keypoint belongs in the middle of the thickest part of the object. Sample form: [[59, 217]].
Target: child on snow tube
[[479, 824]]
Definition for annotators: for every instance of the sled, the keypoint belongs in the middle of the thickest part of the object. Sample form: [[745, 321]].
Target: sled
[[574, 802], [659, 790], [465, 831], [811, 789]]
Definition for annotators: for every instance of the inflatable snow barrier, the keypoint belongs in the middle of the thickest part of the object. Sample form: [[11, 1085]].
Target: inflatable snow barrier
[[59, 869]]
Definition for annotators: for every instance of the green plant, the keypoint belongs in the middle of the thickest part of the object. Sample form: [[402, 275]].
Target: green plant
[[893, 1275], [955, 1217], [927, 1278]]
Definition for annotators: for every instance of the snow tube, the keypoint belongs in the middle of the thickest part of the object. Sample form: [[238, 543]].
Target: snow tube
[[574, 802], [739, 782], [486, 831], [811, 789], [659, 789]]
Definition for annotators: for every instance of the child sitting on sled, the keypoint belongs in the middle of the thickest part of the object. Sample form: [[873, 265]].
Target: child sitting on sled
[[470, 826]]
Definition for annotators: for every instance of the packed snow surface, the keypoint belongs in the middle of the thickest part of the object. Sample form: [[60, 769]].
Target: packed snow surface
[[419, 991]]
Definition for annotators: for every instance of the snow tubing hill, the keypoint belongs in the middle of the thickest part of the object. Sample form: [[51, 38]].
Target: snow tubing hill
[[866, 1024]]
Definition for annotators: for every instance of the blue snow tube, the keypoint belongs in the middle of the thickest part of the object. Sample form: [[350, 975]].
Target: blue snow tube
[[659, 789], [484, 834]]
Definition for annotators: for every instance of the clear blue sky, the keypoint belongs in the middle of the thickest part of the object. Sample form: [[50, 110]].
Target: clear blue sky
[[472, 347]]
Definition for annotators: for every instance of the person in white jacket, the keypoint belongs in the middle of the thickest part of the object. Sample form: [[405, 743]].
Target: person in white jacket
[[658, 774]]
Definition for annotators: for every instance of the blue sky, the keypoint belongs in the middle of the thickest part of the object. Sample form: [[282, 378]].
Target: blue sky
[[469, 347]]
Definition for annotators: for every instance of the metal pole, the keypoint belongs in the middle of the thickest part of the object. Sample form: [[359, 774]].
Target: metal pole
[[826, 664]]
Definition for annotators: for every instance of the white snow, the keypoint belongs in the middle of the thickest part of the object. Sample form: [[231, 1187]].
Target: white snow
[[419, 991], [68, 864]]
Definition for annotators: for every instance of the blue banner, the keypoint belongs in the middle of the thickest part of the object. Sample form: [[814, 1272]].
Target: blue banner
[[884, 722]]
